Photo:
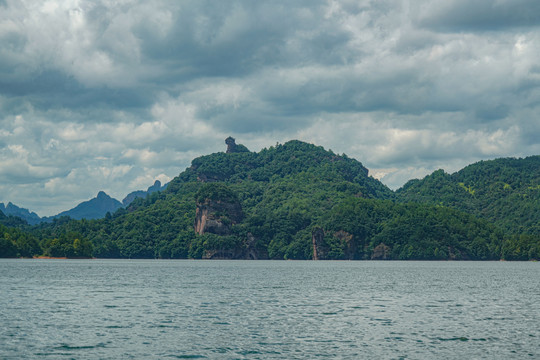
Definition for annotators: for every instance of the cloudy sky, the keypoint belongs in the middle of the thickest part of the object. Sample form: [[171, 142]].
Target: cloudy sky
[[111, 95]]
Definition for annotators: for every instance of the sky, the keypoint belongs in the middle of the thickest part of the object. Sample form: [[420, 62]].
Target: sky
[[112, 95]]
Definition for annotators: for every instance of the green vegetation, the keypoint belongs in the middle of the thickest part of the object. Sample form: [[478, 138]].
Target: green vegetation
[[17, 243], [504, 191], [487, 211], [409, 231], [215, 192], [70, 245]]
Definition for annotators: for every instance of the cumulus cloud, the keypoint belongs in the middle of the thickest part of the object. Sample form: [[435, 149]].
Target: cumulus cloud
[[112, 95]]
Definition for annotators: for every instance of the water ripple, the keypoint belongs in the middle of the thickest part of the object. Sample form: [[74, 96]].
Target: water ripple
[[268, 310]]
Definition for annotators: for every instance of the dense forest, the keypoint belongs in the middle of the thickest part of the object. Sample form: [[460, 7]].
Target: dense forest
[[300, 201], [503, 191]]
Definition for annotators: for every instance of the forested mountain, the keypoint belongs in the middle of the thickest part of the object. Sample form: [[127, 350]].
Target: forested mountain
[[95, 208], [300, 201], [25, 214], [12, 221], [142, 194], [503, 191]]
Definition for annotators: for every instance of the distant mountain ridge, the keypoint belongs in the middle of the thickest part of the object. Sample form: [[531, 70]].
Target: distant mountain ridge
[[142, 194], [11, 209], [95, 208], [11, 220]]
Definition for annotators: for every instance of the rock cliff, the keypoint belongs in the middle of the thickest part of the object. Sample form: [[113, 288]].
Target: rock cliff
[[218, 211], [319, 246], [348, 240], [233, 147], [217, 216], [381, 252]]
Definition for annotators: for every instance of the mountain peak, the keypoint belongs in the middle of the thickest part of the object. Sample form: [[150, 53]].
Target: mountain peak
[[12, 209], [155, 187], [95, 208], [233, 147], [102, 195], [142, 194]]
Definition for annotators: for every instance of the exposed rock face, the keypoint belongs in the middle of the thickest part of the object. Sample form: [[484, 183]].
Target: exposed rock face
[[231, 145], [217, 217], [350, 250], [319, 246], [251, 252], [245, 250], [381, 252]]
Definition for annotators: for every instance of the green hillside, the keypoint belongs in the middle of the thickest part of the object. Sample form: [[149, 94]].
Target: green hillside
[[505, 192], [300, 201], [295, 201], [15, 242]]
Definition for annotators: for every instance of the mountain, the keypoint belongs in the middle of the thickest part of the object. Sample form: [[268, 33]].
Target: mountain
[[292, 201], [12, 221], [95, 208], [504, 191], [300, 201], [282, 163], [142, 194], [30, 217]]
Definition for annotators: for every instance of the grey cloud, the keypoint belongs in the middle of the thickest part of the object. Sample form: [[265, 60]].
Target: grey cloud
[[201, 40], [217, 39], [480, 15], [108, 94], [414, 40], [286, 38], [56, 90]]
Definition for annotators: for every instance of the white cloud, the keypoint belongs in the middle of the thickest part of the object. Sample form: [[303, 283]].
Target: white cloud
[[144, 181], [97, 95]]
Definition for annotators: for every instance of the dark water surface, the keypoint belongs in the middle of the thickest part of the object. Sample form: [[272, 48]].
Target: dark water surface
[[152, 309]]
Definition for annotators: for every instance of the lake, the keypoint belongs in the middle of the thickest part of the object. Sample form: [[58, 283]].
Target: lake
[[185, 309]]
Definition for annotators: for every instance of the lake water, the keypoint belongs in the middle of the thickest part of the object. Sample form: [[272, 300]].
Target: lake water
[[152, 309]]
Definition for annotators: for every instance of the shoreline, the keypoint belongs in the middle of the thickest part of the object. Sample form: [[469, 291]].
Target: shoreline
[[94, 258], [59, 258]]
